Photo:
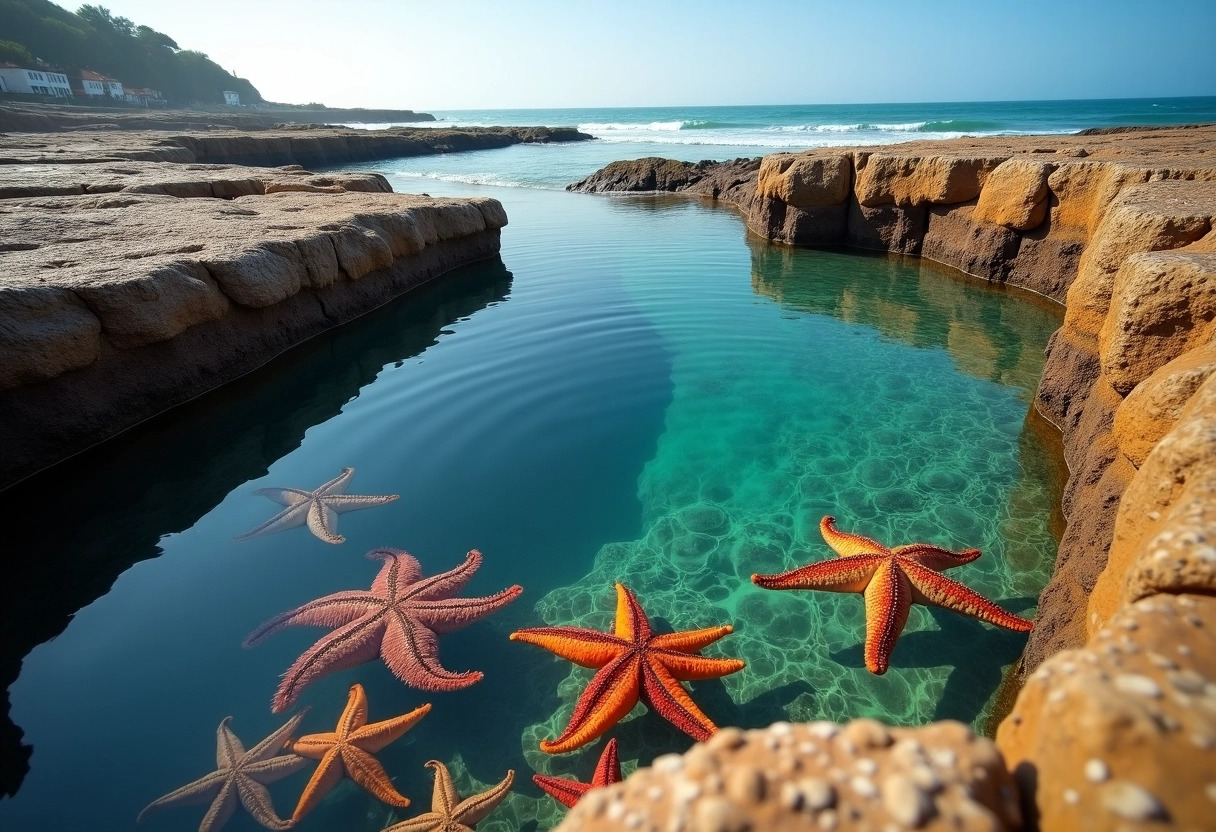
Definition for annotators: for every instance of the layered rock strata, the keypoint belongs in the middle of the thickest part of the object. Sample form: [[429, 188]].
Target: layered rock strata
[[300, 145], [117, 305], [1116, 728]]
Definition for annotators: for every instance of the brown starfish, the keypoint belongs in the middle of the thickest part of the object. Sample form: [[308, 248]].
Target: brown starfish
[[240, 775], [448, 812], [892, 580], [348, 749], [398, 618]]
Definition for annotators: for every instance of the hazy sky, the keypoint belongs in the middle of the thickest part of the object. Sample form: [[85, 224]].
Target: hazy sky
[[467, 54]]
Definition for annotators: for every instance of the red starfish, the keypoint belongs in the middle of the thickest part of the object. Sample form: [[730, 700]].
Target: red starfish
[[634, 664], [891, 580], [567, 792], [398, 618]]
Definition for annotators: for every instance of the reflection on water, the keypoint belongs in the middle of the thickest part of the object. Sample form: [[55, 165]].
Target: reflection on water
[[644, 397]]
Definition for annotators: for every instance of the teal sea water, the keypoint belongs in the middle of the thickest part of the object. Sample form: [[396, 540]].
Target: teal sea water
[[638, 391], [696, 133]]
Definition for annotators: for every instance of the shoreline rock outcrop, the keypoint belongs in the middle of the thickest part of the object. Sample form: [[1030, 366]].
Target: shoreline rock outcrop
[[18, 117], [1115, 727], [308, 145]]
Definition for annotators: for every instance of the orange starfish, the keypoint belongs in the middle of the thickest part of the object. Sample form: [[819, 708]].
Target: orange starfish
[[448, 812], [891, 580], [633, 664], [568, 792], [349, 749]]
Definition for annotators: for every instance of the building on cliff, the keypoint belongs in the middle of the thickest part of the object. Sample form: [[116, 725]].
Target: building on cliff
[[35, 81]]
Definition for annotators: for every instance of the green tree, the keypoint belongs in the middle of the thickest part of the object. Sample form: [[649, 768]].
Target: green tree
[[15, 53]]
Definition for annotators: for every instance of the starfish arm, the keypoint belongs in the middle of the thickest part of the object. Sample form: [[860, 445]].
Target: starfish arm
[[276, 768], [888, 599], [631, 621], [331, 611], [850, 573], [288, 518], [327, 775], [935, 557], [444, 796], [338, 484], [608, 769], [323, 522], [475, 808], [565, 792], [221, 809], [692, 668], [447, 614], [314, 746], [588, 648], [928, 587], [428, 822], [609, 696], [284, 496], [446, 584], [347, 646], [273, 744], [399, 569], [198, 791], [846, 543], [691, 641], [354, 715], [256, 799], [411, 652], [668, 698], [228, 748], [375, 737], [343, 503], [366, 770]]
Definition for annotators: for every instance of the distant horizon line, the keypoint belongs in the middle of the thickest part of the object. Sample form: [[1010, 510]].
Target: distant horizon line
[[430, 110]]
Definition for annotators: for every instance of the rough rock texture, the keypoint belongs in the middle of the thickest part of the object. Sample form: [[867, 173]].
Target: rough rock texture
[[285, 146], [106, 319], [732, 181], [815, 776], [1122, 735]]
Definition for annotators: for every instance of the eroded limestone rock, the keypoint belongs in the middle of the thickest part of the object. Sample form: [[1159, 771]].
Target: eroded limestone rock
[[862, 775], [1152, 409], [1121, 735], [1015, 194]]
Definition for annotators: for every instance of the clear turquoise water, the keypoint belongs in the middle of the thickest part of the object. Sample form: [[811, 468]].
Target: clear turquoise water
[[637, 391], [695, 133]]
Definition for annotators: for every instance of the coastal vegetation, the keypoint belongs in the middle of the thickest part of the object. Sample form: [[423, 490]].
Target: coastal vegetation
[[93, 38]]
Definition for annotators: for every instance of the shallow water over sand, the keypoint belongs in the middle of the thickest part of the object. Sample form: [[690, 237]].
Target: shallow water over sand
[[636, 392]]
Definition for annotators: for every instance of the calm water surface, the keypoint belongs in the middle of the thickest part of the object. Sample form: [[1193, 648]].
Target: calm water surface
[[636, 391]]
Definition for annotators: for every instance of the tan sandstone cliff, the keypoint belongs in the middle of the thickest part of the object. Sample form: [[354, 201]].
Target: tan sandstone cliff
[[1115, 728]]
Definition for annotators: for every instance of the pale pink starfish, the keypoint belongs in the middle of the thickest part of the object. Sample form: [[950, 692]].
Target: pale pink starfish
[[398, 619], [239, 777], [319, 508]]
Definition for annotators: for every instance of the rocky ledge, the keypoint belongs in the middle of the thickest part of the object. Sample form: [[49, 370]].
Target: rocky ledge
[[1115, 726], [121, 297], [287, 145]]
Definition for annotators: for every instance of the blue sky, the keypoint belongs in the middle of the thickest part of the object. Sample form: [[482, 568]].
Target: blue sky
[[438, 55]]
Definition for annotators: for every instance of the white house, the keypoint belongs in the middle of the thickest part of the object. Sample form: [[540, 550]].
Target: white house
[[113, 88], [35, 81], [232, 99], [91, 84]]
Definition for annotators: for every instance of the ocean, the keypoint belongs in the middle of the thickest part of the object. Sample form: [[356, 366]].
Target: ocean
[[696, 133]]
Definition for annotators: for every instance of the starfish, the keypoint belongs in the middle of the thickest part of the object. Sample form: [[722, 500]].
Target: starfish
[[567, 792], [891, 580], [349, 749], [448, 812], [633, 664], [239, 775], [398, 618], [320, 508]]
